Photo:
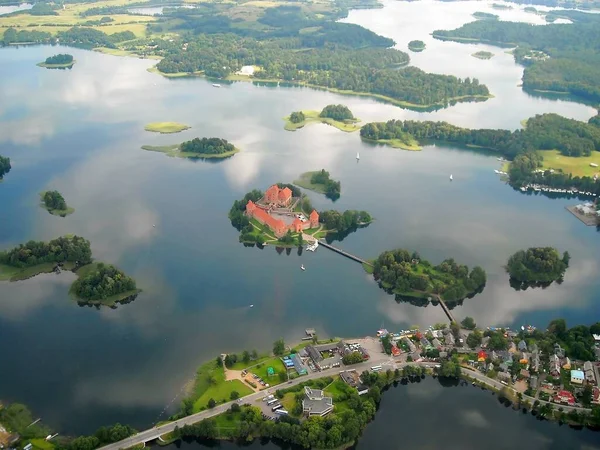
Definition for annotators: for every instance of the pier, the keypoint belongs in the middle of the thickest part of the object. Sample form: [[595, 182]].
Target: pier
[[343, 253], [446, 310]]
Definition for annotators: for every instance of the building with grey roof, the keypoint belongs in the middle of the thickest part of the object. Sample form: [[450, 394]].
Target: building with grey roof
[[315, 403]]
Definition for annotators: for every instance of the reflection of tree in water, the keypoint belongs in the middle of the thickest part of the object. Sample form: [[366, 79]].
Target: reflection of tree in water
[[124, 301], [341, 235], [524, 285], [426, 301]]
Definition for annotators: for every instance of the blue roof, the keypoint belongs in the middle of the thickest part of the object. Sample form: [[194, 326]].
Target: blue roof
[[577, 374]]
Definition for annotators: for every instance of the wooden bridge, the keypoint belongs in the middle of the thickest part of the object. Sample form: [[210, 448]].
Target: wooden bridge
[[343, 253], [446, 309]]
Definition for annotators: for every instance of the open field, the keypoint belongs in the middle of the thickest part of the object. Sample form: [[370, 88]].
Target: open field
[[261, 370], [166, 127], [313, 117], [577, 166], [305, 182], [210, 383]]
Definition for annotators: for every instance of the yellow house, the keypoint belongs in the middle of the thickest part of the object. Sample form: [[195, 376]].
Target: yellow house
[[567, 364]]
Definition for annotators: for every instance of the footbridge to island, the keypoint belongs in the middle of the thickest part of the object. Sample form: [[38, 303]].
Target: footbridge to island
[[367, 263]]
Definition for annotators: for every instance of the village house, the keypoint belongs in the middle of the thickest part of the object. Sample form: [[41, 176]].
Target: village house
[[555, 365], [522, 346], [588, 369], [577, 377], [564, 397], [524, 373], [566, 364], [436, 343], [559, 351], [315, 403], [533, 382], [449, 339], [535, 361], [504, 376], [596, 396]]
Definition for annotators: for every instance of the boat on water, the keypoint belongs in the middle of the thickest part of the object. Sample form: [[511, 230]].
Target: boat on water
[[451, 177], [251, 306], [302, 267], [217, 85], [312, 246], [357, 156]]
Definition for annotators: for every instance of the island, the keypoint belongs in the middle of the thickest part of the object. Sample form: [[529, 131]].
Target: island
[[501, 6], [537, 266], [408, 276], [484, 15], [103, 284], [530, 9], [35, 257], [338, 116], [60, 61], [205, 148], [388, 133], [416, 46], [483, 55], [166, 127], [55, 204], [4, 166], [321, 182]]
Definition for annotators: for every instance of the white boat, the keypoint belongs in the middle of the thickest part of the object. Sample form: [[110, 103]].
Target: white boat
[[216, 85], [451, 177], [312, 246], [251, 306], [357, 156], [497, 171], [302, 267], [153, 226]]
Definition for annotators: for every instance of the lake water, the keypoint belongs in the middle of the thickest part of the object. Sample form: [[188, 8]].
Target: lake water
[[7, 9], [426, 415], [80, 131]]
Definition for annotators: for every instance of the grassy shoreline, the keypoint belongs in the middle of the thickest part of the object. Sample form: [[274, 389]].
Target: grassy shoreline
[[313, 117], [56, 212], [305, 182], [396, 143], [166, 127], [111, 301], [383, 98], [57, 66], [10, 273], [174, 152]]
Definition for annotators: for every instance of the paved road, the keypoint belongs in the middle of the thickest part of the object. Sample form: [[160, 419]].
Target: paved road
[[386, 361]]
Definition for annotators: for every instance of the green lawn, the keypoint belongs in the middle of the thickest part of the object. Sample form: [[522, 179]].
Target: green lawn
[[313, 117], [173, 151], [580, 166], [261, 370], [305, 182], [405, 144], [210, 383], [42, 444], [166, 127]]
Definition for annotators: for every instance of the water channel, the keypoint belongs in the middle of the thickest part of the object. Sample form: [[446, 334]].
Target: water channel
[[80, 131]]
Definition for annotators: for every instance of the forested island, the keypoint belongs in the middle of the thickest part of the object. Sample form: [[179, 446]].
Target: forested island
[[537, 266], [388, 133], [407, 275], [483, 55], [416, 46], [484, 15], [60, 61], [55, 204], [103, 284], [320, 181], [35, 257], [205, 148], [572, 64], [338, 116], [544, 132], [341, 224], [4, 166], [166, 127]]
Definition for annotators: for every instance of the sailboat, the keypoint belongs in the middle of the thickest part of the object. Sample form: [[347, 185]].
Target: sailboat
[[451, 177], [302, 267], [357, 156]]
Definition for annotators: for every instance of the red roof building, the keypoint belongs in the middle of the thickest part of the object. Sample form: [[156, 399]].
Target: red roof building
[[277, 225], [280, 197], [564, 397], [314, 219], [596, 395], [481, 356]]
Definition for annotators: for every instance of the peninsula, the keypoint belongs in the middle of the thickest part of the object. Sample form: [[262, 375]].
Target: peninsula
[[416, 46], [338, 116], [205, 148], [537, 266], [55, 204], [408, 275], [389, 133], [321, 182], [60, 61], [166, 127], [103, 284]]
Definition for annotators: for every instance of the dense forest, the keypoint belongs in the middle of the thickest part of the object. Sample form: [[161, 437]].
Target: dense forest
[[207, 146], [54, 200], [342, 222], [61, 58], [102, 282], [62, 249], [76, 37], [332, 188], [297, 117], [337, 112], [537, 264], [574, 51], [406, 274], [332, 65], [4, 166]]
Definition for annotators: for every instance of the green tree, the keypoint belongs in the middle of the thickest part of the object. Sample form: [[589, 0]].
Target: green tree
[[297, 117], [234, 395], [212, 403], [474, 339], [468, 323], [279, 347]]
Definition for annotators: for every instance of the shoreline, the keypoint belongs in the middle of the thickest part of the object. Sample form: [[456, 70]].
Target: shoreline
[[174, 152], [57, 66], [395, 143], [312, 116]]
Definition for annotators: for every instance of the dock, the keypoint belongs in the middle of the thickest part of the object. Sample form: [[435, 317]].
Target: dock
[[590, 221], [343, 253]]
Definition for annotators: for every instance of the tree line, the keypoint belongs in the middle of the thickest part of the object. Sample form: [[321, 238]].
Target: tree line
[[402, 272], [340, 113], [207, 146], [54, 199], [342, 222], [83, 37], [4, 166], [62, 249], [101, 283]]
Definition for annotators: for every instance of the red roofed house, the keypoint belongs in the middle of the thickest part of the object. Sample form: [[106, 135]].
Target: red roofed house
[[596, 395], [481, 356], [276, 225], [564, 397], [314, 219], [280, 197], [297, 225]]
